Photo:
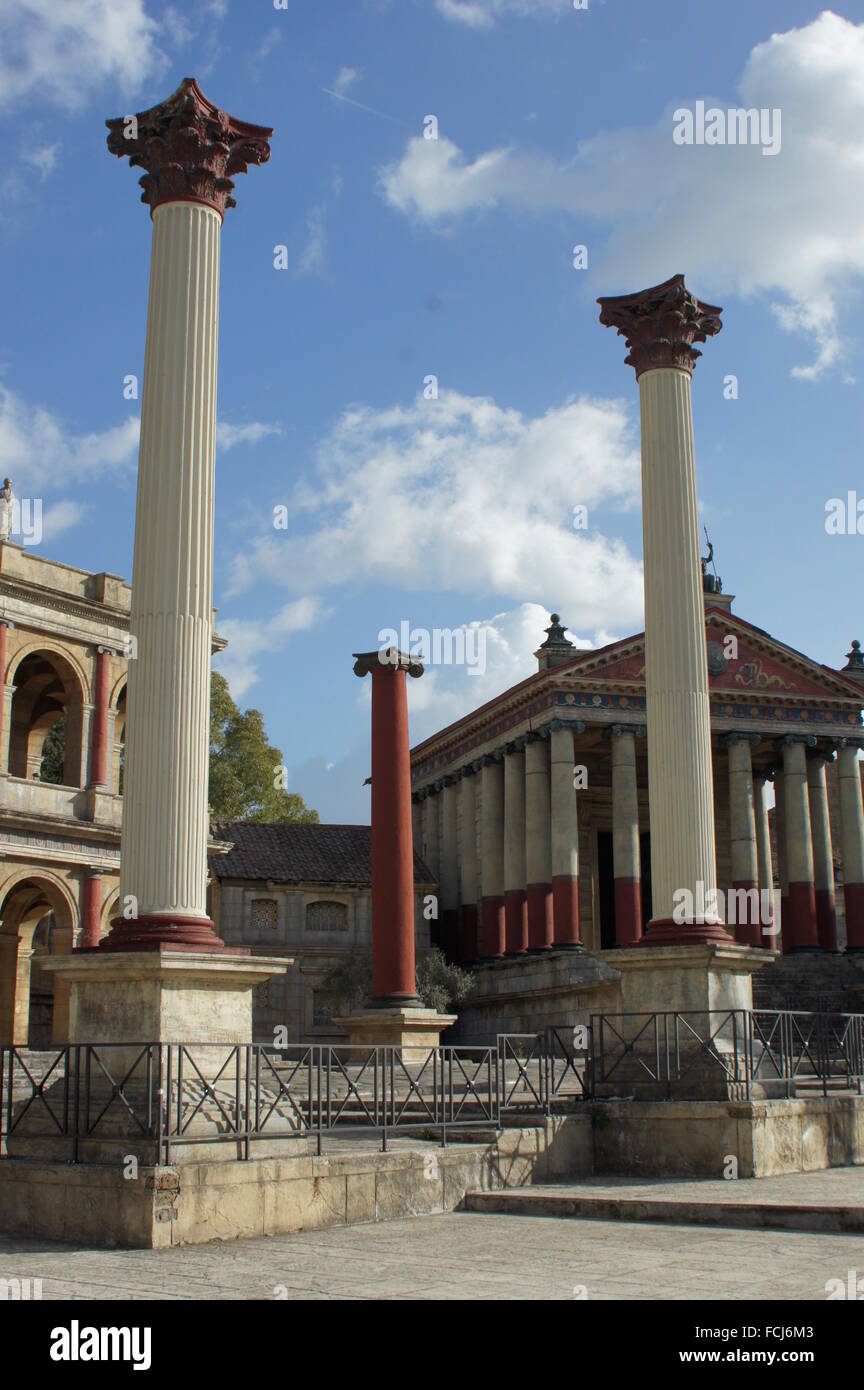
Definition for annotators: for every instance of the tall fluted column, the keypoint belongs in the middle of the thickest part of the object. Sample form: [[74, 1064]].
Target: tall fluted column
[[91, 908], [450, 934], [626, 856], [765, 863], [189, 149], [742, 826], [538, 848], [799, 922], [515, 900], [99, 726], [431, 834], [782, 857], [661, 325], [565, 834], [852, 831], [823, 850], [468, 846], [492, 864], [392, 839]]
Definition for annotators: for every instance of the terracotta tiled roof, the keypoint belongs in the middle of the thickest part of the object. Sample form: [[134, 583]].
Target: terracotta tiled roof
[[300, 854]]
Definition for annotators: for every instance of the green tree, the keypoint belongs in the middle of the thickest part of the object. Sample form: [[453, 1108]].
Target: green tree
[[246, 772], [440, 984], [54, 753]]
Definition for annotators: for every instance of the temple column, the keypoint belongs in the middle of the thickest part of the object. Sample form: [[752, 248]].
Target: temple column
[[492, 863], [392, 841], [468, 846], [626, 857], [799, 922], [538, 848], [661, 325], [99, 722], [823, 850], [852, 833], [450, 934], [765, 862], [564, 834], [515, 899], [91, 907], [431, 838], [742, 834]]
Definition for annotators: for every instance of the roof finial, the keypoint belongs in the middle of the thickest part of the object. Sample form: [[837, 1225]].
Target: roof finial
[[711, 583], [557, 647]]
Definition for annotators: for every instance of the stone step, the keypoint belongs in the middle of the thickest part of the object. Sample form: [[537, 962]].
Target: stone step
[[762, 1206]]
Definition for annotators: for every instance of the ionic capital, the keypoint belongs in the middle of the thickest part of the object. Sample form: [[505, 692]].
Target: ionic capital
[[386, 659]]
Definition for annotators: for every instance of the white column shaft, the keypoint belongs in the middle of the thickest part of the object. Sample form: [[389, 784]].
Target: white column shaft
[[799, 841], [680, 775], [468, 808], [851, 814], [514, 822], [564, 805], [626, 858], [742, 814], [492, 830], [449, 848], [538, 849], [820, 823], [431, 834], [165, 815]]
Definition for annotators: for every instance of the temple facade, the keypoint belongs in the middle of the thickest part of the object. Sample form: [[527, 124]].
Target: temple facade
[[525, 866]]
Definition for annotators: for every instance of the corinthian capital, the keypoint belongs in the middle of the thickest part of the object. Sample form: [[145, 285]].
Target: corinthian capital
[[189, 148], [661, 325]]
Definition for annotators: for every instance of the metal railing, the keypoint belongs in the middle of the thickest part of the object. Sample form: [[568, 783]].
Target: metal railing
[[784, 1052]]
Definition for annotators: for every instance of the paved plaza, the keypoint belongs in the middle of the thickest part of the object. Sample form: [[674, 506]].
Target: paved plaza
[[469, 1256]]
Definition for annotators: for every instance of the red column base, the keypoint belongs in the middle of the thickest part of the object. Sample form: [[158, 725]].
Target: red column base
[[799, 919], [540, 920], [161, 933], [748, 932], [516, 922], [492, 927], [469, 932], [565, 912], [853, 896], [628, 911], [826, 919], [664, 931]]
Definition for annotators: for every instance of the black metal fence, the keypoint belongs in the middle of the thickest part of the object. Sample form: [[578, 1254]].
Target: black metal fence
[[86, 1103]]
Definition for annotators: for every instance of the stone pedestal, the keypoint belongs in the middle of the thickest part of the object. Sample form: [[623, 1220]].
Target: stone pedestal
[[415, 1031]]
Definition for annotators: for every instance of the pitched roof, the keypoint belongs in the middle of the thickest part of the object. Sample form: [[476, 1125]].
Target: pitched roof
[[300, 854]]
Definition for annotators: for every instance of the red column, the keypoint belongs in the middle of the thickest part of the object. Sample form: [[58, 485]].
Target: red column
[[99, 731], [392, 839], [91, 908]]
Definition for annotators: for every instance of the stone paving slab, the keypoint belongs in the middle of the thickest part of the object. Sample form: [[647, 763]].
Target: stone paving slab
[[455, 1257], [829, 1200]]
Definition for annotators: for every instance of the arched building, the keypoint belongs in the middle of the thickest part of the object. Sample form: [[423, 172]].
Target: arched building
[[63, 639]]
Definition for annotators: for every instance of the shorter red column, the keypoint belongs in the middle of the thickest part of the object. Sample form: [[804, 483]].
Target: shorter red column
[[565, 910], [99, 733], [91, 908], [393, 981], [493, 927], [628, 911], [516, 921], [541, 921]]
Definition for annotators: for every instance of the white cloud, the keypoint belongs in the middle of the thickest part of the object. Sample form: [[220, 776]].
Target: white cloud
[[481, 14], [38, 450], [62, 516], [60, 52], [344, 80], [43, 159], [313, 258], [463, 494], [734, 221], [229, 436], [250, 638]]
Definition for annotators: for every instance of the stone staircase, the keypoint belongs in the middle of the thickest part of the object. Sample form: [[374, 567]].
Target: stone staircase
[[812, 983]]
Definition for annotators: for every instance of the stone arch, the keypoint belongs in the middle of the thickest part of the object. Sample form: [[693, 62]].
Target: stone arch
[[110, 908], [50, 684], [117, 704], [38, 916]]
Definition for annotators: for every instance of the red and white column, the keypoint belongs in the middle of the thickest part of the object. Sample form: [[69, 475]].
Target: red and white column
[[661, 325], [492, 936], [852, 832], [764, 858], [393, 979], [564, 834], [469, 865], [538, 847], [91, 909], [626, 854], [99, 727], [515, 900], [799, 916], [742, 835], [823, 849], [189, 151]]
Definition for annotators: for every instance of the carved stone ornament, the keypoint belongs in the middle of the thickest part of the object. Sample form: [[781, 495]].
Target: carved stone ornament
[[189, 148], [661, 325]]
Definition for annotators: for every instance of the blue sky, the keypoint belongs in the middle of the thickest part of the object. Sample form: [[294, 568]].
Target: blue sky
[[410, 257]]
